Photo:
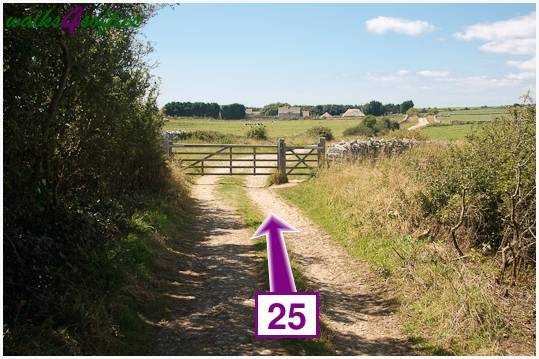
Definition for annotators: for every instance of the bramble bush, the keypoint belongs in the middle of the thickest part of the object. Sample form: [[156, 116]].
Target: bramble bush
[[483, 190], [81, 139], [321, 131], [371, 126], [257, 133]]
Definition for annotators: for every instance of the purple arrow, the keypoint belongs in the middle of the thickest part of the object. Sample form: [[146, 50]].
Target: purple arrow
[[280, 273]]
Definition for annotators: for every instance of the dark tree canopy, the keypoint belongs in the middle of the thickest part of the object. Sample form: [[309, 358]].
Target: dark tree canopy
[[234, 111], [374, 108], [194, 109], [406, 105]]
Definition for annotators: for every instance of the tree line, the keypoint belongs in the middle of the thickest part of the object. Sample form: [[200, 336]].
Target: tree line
[[205, 109], [237, 111]]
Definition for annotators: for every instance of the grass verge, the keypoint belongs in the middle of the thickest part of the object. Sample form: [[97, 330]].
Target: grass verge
[[232, 189], [449, 306]]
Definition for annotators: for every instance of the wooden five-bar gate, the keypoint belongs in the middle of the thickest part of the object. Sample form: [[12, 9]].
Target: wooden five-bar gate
[[233, 159]]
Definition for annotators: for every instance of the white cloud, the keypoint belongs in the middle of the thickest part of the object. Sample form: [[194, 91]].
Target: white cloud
[[383, 24], [517, 27], [387, 76], [527, 65], [510, 46], [514, 36], [521, 76], [434, 74]]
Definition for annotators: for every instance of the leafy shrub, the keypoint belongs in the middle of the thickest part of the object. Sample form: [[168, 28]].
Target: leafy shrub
[[371, 126], [321, 131], [208, 136], [487, 184], [257, 133], [92, 144], [359, 130]]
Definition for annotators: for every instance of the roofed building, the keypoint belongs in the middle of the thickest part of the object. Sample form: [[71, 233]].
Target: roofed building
[[289, 112], [353, 112], [326, 115]]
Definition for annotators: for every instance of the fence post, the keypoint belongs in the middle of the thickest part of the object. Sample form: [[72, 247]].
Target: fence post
[[321, 151], [167, 148], [281, 160]]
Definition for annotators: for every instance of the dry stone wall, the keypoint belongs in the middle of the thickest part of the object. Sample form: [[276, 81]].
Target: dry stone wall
[[369, 148]]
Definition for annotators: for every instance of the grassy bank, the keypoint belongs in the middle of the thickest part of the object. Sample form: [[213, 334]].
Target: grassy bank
[[449, 304], [232, 189], [113, 307]]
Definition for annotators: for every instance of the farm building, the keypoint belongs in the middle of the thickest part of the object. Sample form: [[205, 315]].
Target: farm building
[[250, 113], [353, 112], [289, 112], [326, 115], [306, 113]]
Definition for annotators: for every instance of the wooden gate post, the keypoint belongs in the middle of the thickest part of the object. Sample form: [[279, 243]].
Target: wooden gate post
[[281, 160], [321, 151], [167, 145]]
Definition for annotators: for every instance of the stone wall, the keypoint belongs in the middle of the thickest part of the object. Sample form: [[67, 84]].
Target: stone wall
[[369, 148]]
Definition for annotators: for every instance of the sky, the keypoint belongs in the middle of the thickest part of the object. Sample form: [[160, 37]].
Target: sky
[[255, 54]]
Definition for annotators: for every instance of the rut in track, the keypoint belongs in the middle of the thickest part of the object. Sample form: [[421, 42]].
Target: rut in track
[[358, 313], [214, 290], [213, 293]]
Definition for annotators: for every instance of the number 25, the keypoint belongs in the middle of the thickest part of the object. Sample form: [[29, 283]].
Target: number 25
[[274, 324]]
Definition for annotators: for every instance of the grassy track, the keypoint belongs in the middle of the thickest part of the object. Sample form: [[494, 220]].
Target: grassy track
[[232, 189]]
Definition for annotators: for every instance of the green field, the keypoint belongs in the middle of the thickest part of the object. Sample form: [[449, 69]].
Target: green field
[[275, 128], [458, 123], [453, 132]]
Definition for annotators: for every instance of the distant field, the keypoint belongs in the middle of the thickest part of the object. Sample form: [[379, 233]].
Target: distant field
[[453, 132], [471, 115], [275, 128], [462, 122]]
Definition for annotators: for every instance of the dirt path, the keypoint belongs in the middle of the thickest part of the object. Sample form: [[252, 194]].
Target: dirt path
[[213, 294], [421, 122], [358, 313]]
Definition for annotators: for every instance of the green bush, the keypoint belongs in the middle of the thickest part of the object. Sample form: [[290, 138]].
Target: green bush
[[359, 130], [371, 126], [490, 179], [257, 133], [208, 136], [320, 131], [81, 138]]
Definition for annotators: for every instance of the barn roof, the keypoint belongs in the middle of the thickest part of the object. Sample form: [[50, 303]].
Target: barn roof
[[353, 112]]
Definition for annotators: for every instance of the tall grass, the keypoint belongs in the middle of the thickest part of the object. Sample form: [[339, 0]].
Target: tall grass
[[451, 305]]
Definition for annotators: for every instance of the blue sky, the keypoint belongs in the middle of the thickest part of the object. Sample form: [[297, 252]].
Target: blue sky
[[255, 54]]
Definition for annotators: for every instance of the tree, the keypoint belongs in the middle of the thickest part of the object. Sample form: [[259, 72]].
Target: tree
[[391, 109], [234, 111], [406, 105], [196, 109], [374, 108]]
